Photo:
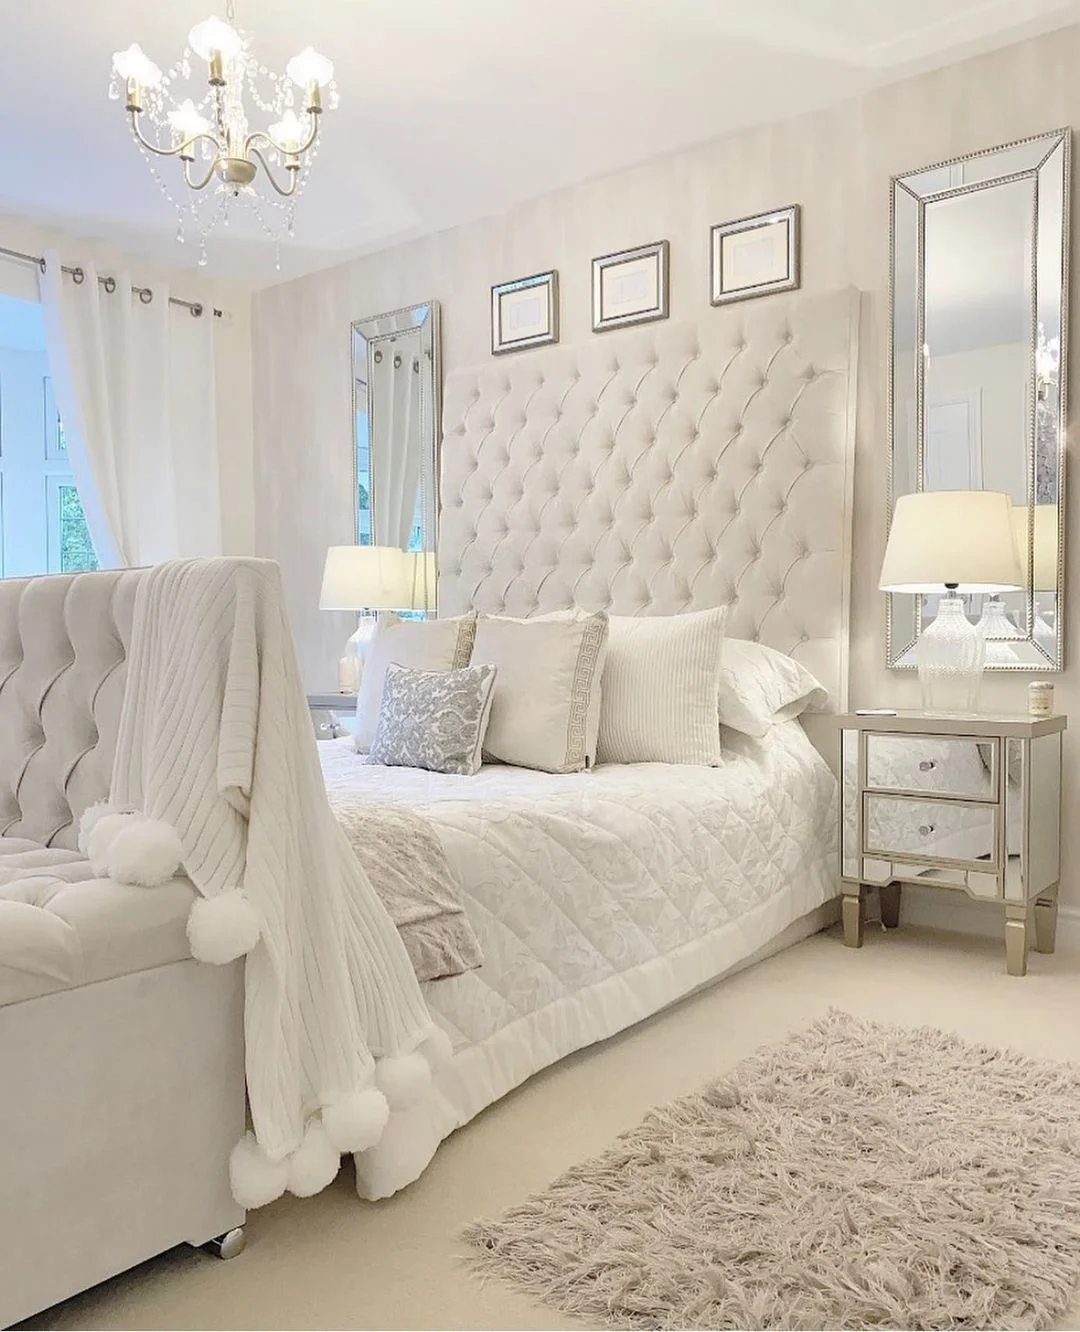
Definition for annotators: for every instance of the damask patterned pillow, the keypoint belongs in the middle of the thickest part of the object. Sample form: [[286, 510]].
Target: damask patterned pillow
[[433, 719]]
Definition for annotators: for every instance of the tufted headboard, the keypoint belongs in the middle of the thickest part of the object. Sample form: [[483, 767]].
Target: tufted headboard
[[63, 648], [669, 468]]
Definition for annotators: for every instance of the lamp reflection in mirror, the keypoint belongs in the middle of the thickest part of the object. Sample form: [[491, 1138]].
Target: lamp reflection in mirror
[[1037, 538], [965, 542], [369, 579]]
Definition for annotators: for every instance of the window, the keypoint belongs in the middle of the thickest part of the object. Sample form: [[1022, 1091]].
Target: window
[[43, 528]]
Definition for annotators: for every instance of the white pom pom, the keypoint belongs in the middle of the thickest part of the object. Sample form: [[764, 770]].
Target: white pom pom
[[145, 852], [355, 1123], [222, 928], [314, 1163], [403, 1079], [438, 1049], [91, 815], [255, 1179], [106, 828]]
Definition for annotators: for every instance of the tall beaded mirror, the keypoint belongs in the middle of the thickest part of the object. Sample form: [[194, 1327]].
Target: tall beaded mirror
[[397, 388], [978, 287]]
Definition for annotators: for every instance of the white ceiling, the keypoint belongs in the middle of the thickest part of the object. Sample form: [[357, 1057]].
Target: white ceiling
[[453, 109]]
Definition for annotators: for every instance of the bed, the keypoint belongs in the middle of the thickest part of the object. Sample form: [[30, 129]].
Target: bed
[[660, 470], [600, 897]]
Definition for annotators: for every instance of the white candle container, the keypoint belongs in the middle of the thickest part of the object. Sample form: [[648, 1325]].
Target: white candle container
[[1040, 698]]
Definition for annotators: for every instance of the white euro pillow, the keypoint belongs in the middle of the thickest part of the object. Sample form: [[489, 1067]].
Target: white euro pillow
[[760, 687], [660, 688], [545, 709], [420, 645]]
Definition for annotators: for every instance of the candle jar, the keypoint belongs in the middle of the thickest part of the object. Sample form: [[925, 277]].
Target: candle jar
[[1040, 698]]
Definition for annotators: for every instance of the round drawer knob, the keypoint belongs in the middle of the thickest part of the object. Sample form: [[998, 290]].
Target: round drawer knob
[[925, 829], [927, 765]]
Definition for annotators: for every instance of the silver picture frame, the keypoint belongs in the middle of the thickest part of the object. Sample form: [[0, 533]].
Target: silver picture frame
[[754, 256], [525, 313], [631, 286]]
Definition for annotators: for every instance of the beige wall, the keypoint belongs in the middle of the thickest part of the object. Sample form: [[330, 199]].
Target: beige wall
[[836, 163], [232, 347]]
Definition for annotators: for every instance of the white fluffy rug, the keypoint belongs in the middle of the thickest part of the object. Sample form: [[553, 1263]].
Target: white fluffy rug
[[855, 1176]]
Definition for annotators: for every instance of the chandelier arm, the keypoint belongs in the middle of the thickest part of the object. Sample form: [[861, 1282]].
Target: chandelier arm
[[200, 184], [170, 152], [294, 173]]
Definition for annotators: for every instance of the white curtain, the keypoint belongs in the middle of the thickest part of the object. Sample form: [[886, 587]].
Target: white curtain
[[134, 385], [394, 397]]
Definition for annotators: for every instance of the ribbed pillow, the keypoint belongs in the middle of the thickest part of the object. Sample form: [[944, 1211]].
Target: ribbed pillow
[[422, 645], [546, 709], [660, 689]]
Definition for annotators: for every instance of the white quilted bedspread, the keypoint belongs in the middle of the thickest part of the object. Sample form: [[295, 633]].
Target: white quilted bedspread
[[599, 897]]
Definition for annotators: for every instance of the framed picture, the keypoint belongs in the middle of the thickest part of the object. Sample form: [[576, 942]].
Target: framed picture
[[630, 287], [755, 256], [525, 313]]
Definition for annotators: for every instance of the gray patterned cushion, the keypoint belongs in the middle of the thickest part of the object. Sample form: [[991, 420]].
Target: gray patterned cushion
[[433, 719]]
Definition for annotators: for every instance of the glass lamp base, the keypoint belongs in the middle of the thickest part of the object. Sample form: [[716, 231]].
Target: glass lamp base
[[351, 661], [951, 655]]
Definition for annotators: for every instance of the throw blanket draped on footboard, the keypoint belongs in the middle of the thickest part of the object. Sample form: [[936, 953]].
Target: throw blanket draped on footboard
[[216, 749]]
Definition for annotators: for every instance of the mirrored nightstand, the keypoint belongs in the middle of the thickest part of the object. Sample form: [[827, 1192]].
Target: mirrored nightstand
[[333, 715], [969, 804]]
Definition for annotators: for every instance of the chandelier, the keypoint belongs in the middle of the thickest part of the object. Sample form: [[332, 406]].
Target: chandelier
[[195, 113]]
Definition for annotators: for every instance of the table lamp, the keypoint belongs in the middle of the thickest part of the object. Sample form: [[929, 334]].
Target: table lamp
[[956, 542], [369, 579]]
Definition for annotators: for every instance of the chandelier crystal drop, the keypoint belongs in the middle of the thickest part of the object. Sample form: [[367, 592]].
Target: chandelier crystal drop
[[195, 112]]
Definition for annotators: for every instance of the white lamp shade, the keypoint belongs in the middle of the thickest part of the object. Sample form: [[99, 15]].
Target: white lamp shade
[[962, 537], [1045, 562], [367, 578]]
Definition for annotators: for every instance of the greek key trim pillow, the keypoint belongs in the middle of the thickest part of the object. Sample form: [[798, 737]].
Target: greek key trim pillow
[[433, 719]]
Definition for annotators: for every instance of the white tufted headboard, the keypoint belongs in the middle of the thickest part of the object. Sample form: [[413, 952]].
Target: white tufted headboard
[[670, 468]]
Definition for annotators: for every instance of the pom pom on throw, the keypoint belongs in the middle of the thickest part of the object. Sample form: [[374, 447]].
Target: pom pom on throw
[[99, 841], [438, 1049], [314, 1163], [222, 928], [355, 1123], [91, 816], [403, 1079], [255, 1179], [145, 852]]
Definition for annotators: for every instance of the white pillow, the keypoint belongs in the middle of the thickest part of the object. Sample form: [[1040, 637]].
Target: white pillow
[[422, 645], [760, 687], [545, 711], [660, 687]]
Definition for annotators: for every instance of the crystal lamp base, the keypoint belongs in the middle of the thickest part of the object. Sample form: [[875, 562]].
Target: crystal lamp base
[[950, 660]]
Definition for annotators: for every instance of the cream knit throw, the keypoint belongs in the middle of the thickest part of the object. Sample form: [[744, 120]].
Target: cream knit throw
[[216, 741]]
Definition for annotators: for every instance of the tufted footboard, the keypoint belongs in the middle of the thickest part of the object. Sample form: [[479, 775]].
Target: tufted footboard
[[121, 1059]]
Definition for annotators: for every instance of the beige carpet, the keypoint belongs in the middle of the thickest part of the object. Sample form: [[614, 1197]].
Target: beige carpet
[[856, 1175], [335, 1262]]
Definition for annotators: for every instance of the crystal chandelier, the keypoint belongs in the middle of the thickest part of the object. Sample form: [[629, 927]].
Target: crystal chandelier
[[205, 125]]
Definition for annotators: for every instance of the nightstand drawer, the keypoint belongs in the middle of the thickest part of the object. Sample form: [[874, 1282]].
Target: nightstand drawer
[[943, 765], [945, 832]]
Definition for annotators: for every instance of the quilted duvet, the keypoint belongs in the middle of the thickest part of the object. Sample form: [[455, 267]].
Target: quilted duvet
[[599, 898]]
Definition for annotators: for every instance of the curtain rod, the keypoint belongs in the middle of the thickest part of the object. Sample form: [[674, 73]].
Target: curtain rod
[[145, 294]]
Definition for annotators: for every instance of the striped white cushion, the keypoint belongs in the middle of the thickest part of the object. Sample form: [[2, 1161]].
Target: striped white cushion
[[660, 689]]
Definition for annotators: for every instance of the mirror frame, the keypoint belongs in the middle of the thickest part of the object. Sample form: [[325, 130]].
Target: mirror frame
[[1053, 139], [373, 340]]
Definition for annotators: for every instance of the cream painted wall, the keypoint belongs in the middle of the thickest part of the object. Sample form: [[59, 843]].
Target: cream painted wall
[[232, 347], [836, 163]]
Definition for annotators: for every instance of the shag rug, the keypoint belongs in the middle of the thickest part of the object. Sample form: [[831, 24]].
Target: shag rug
[[857, 1175]]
